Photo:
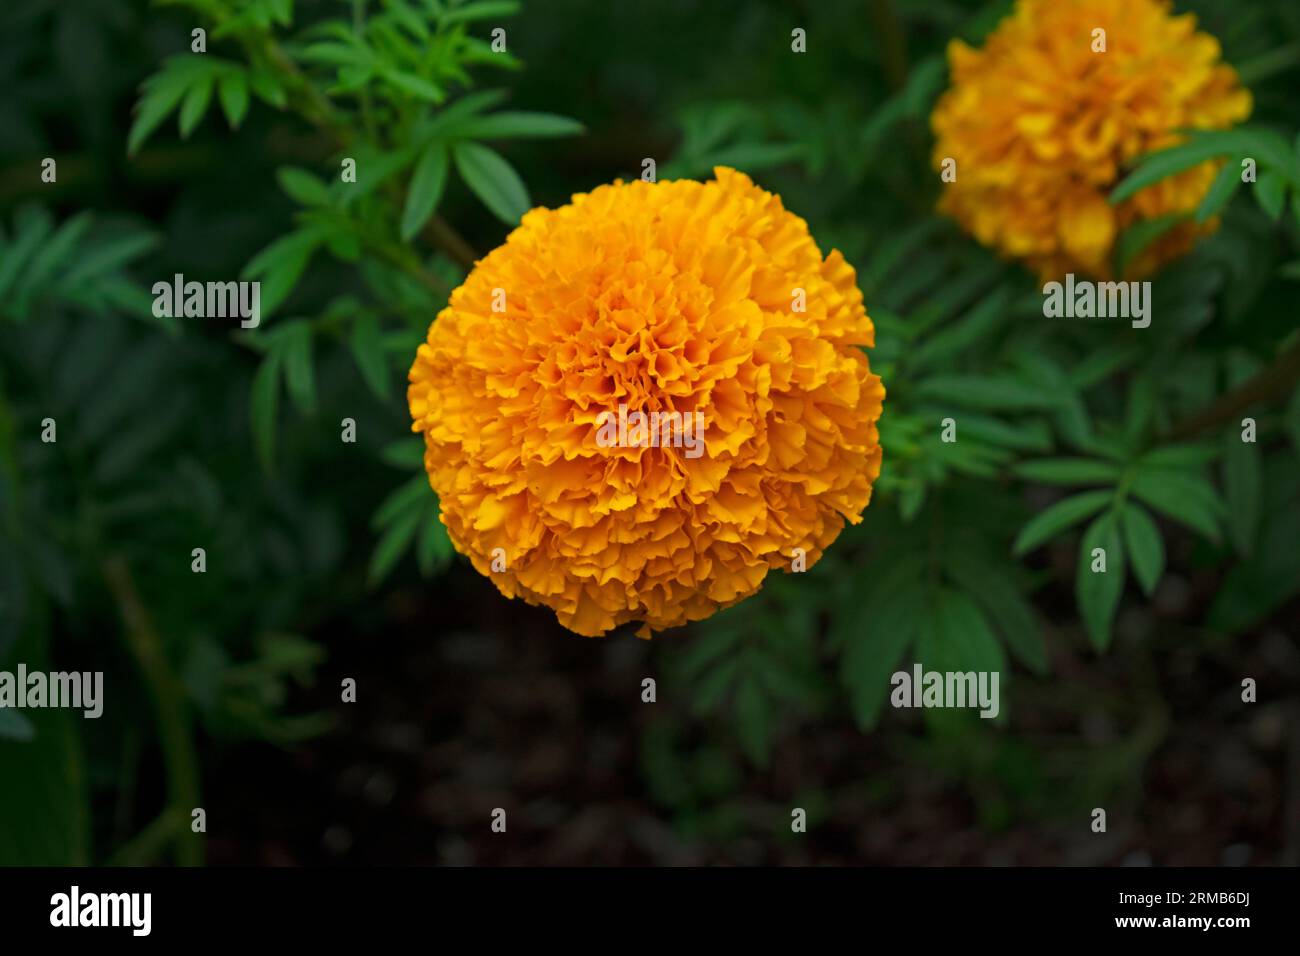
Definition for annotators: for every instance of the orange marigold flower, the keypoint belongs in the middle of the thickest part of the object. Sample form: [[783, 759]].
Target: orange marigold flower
[[671, 297], [1041, 127]]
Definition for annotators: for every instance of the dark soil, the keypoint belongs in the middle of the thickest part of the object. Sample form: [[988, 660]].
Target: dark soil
[[473, 703]]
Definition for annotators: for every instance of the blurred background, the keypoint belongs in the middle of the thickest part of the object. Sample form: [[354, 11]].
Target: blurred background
[[324, 561]]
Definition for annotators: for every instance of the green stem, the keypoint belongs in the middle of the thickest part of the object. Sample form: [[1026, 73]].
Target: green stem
[[146, 846], [892, 42], [358, 31], [168, 695], [319, 110]]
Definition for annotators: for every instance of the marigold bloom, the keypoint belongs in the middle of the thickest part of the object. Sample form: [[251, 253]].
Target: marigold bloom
[[1041, 127], [664, 297]]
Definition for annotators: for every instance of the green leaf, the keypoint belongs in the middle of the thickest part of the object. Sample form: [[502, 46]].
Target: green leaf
[[280, 265], [233, 92], [750, 157], [417, 86], [1220, 193], [342, 241], [339, 55], [1265, 65], [434, 548], [482, 10], [1099, 591], [1060, 516], [955, 636], [710, 665], [991, 392], [455, 113], [264, 406], [405, 453], [1046, 376], [1141, 407], [911, 498], [1145, 546], [1137, 237], [162, 92], [1180, 456], [875, 647], [511, 124], [126, 390], [412, 21], [1243, 484], [278, 283], [373, 170], [1183, 496], [713, 687], [195, 104], [493, 180], [108, 257], [268, 88], [1156, 166], [1069, 471], [1258, 587], [394, 542], [1025, 435], [302, 186], [427, 184], [50, 258], [995, 590], [1270, 193], [367, 346], [960, 335], [32, 225], [1101, 363], [299, 372], [147, 434], [411, 495]]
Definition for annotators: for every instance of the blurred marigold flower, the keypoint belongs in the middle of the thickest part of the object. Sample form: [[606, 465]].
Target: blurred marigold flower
[[669, 297], [1041, 127]]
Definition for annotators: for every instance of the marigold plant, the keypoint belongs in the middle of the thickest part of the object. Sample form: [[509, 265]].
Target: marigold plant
[[667, 297], [1042, 120]]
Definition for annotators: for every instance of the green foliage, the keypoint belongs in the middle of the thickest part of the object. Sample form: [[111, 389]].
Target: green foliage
[[976, 553], [1113, 432], [130, 487]]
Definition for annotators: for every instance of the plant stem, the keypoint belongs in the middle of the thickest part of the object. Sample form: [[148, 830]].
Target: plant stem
[[174, 731], [892, 42], [1273, 382], [358, 31], [145, 847], [319, 110], [451, 242], [893, 46]]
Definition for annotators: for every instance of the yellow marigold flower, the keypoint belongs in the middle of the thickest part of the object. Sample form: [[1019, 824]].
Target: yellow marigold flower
[[1041, 127], [671, 297]]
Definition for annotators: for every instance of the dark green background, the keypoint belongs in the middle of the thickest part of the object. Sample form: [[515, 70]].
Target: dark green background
[[223, 688]]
